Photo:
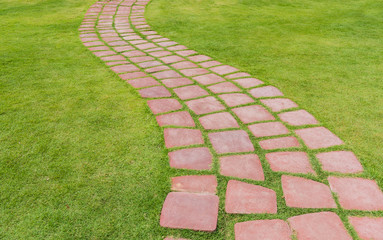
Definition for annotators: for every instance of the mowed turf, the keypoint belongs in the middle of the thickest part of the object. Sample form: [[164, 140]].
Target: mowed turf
[[326, 55]]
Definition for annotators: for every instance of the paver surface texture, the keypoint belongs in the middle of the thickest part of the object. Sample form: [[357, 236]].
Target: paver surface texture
[[239, 130]]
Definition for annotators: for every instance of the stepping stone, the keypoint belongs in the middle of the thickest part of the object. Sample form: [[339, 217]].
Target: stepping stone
[[247, 198], [154, 92], [199, 58], [267, 91], [195, 184], [193, 71], [167, 74], [292, 162], [141, 59], [172, 59], [237, 75], [253, 113], [283, 142], [340, 161], [298, 193], [176, 82], [223, 70], [219, 121], [143, 82], [210, 64], [235, 99], [319, 226], [189, 92], [146, 46], [357, 193], [104, 53], [123, 48], [242, 166], [191, 158], [132, 75], [156, 69], [186, 52], [268, 129], [231, 142], [178, 47], [181, 119], [224, 88], [318, 137], [248, 82], [149, 64], [298, 118], [133, 53], [116, 63], [208, 79], [164, 105], [193, 211], [97, 43], [182, 65], [166, 44], [275, 229], [178, 137], [113, 58], [368, 227], [160, 53], [205, 105]]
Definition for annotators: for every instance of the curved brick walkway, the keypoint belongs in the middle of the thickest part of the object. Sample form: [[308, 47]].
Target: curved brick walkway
[[215, 115]]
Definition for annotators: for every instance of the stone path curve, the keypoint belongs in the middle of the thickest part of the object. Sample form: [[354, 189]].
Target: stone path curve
[[216, 119]]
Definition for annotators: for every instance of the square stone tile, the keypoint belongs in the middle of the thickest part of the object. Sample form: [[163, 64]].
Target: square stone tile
[[340, 161], [125, 68], [193, 211], [236, 99], [113, 58], [176, 48], [205, 105], [193, 71], [247, 198], [141, 59], [298, 118], [209, 79], [123, 48], [181, 119], [231, 142], [156, 69], [224, 87], [103, 53], [242, 166], [199, 58], [191, 158], [253, 113], [318, 137], [185, 64], [164, 105], [166, 44], [368, 227], [186, 52], [135, 53], [357, 193], [146, 46], [149, 64], [219, 121], [195, 184], [154, 92], [223, 70], [160, 53], [268, 129], [132, 75], [238, 75], [176, 82], [292, 162], [143, 82], [274, 229], [319, 226], [172, 59], [248, 82], [189, 92], [167, 74], [210, 64], [178, 137], [266, 91], [279, 104]]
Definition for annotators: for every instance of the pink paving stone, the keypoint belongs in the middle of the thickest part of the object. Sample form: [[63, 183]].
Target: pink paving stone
[[113, 58], [125, 68], [253, 113], [167, 74], [123, 48], [195, 184], [178, 137], [110, 39], [103, 53], [154, 92], [166, 44], [191, 158], [231, 142], [132, 75], [154, 50], [164, 105], [205, 105], [368, 227], [133, 53], [224, 88], [292, 162], [223, 70], [97, 43], [209, 79], [283, 142], [219, 121], [140, 59], [149, 64], [186, 52], [193, 71], [279, 104], [248, 198], [156, 69], [176, 48], [185, 64], [298, 118], [99, 48], [357, 193], [267, 91], [177, 82], [143, 82], [274, 229], [189, 92], [305, 193], [242, 166], [319, 226], [146, 46], [160, 53], [210, 64], [132, 37], [182, 119], [118, 43], [235, 99], [199, 58], [340, 161], [268, 129], [190, 211], [172, 59], [237, 75], [248, 82], [116, 63], [318, 137]]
